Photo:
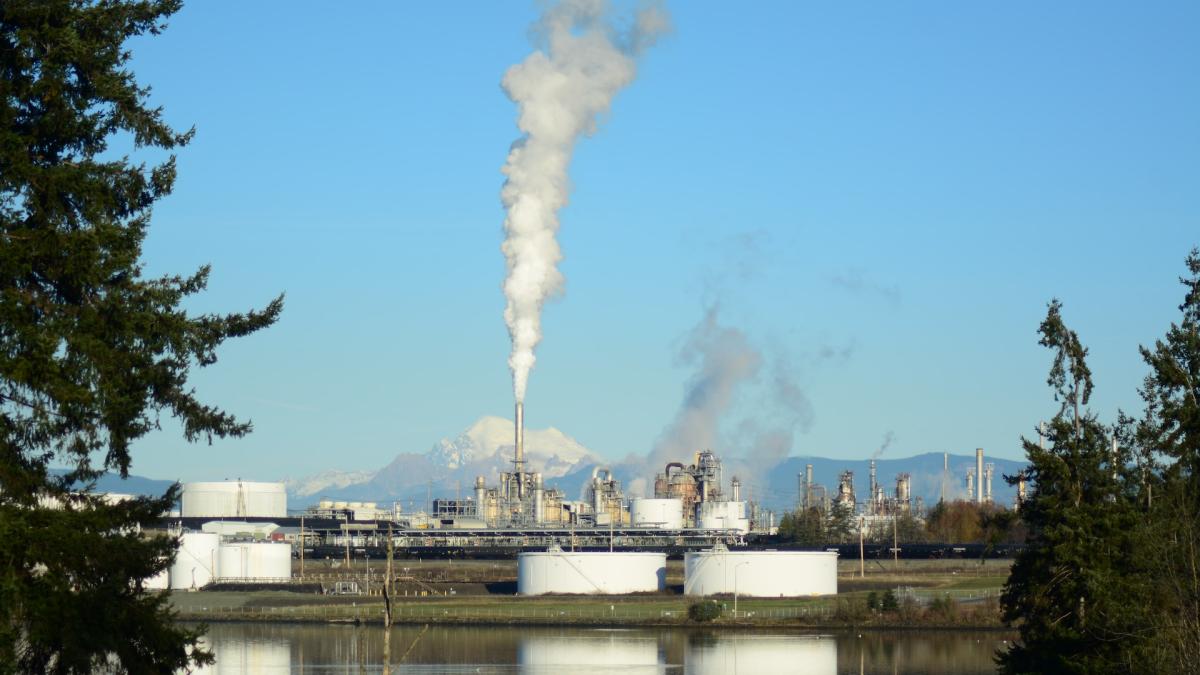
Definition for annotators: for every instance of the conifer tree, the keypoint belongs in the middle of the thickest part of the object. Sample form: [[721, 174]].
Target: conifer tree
[[1069, 591], [1169, 481], [92, 352]]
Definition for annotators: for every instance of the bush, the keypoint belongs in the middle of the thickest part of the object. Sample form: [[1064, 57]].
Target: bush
[[706, 610], [944, 609], [889, 602], [850, 610], [872, 601]]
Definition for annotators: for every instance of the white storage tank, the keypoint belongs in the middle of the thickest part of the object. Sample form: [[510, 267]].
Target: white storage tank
[[722, 516], [602, 573], [768, 574], [196, 561], [666, 514], [234, 499], [255, 561], [756, 653]]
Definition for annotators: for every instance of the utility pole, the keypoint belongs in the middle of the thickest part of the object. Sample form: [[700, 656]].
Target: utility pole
[[301, 548]]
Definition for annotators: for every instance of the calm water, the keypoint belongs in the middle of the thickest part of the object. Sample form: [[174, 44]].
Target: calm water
[[300, 648]]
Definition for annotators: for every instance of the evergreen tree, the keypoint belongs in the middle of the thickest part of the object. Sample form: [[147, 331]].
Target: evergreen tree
[[840, 525], [1069, 591], [92, 353], [1170, 494]]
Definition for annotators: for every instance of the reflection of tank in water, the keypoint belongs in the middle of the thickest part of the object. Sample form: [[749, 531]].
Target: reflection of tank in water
[[592, 652], [749, 653]]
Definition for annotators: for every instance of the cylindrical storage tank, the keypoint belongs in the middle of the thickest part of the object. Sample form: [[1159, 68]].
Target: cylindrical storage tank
[[255, 561], [340, 505], [723, 516], [754, 653], [196, 561], [325, 504], [766, 574], [599, 573], [234, 499], [666, 514]]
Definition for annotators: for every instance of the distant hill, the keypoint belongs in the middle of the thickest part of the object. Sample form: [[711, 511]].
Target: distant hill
[[450, 466], [134, 485]]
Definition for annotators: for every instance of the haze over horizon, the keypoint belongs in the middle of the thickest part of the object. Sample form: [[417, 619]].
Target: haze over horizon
[[877, 201]]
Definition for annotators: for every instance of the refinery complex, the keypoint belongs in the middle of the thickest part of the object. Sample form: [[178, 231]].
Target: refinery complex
[[238, 532]]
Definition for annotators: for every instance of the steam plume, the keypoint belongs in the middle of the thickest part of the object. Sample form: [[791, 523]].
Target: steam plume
[[725, 361], [888, 438], [560, 90]]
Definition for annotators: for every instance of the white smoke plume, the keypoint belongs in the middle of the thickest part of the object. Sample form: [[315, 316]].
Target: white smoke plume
[[725, 361], [561, 90]]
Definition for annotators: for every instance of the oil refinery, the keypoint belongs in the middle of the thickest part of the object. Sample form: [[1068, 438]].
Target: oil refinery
[[239, 532]]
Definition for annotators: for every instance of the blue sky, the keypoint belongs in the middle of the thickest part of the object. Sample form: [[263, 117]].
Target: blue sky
[[904, 185]]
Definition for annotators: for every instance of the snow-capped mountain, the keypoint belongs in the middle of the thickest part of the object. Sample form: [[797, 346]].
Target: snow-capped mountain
[[490, 440], [485, 448], [326, 480]]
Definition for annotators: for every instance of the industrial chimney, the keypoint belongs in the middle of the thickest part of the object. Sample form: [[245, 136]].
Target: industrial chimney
[[519, 458], [979, 475], [808, 483]]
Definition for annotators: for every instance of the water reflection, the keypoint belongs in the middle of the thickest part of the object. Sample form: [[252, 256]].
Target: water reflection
[[756, 653], [312, 648], [596, 652]]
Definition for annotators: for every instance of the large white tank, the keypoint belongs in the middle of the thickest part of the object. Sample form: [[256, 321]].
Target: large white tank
[[196, 562], [754, 653], [760, 573], [254, 561], [666, 514], [234, 499], [602, 573], [723, 516]]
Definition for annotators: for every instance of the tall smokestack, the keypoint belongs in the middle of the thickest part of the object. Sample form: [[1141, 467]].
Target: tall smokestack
[[871, 501], [979, 475], [945, 474], [519, 457], [808, 483]]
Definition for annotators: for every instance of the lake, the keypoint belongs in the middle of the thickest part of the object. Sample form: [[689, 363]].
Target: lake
[[243, 648]]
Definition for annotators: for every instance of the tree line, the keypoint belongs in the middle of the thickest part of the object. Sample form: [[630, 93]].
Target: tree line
[[949, 522]]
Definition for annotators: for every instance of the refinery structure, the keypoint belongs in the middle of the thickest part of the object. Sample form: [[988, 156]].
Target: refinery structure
[[235, 532]]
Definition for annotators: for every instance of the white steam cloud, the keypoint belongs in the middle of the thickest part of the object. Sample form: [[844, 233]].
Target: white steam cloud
[[561, 90]]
